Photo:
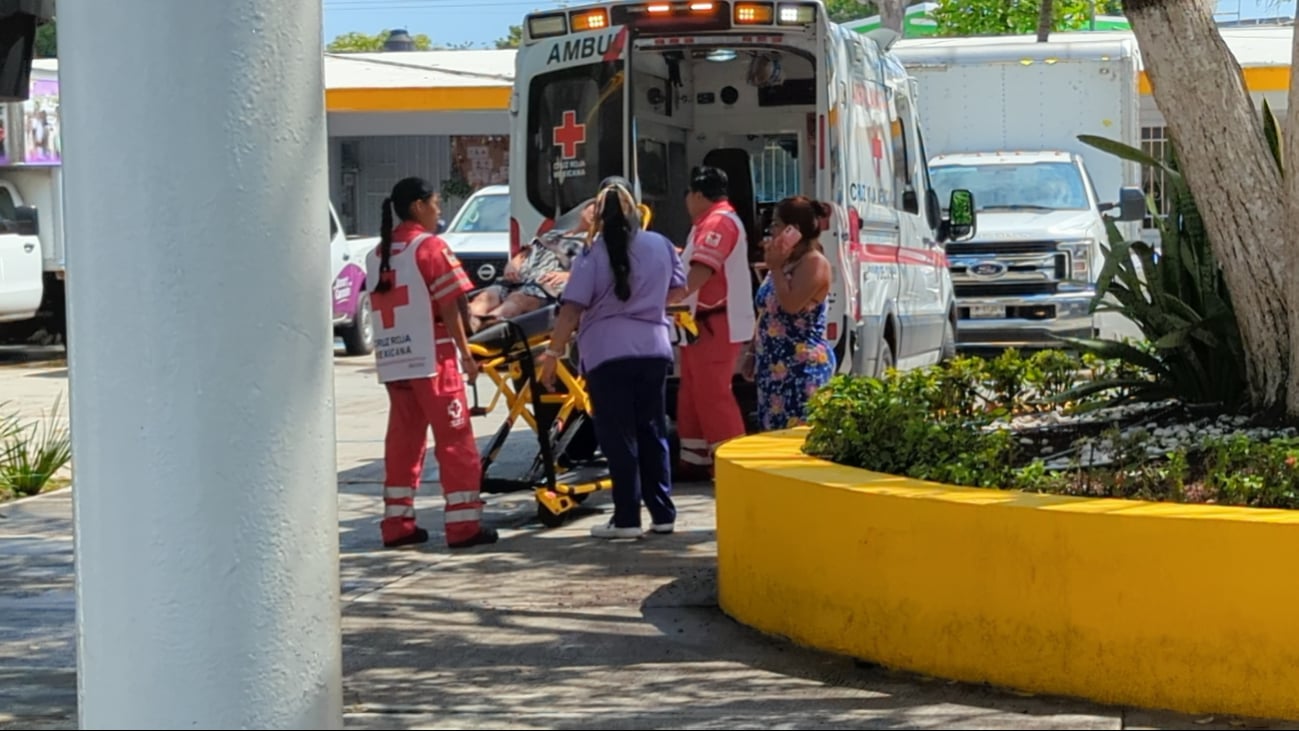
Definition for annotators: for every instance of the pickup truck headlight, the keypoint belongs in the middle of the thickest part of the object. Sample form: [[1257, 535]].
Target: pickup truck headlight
[[1080, 254]]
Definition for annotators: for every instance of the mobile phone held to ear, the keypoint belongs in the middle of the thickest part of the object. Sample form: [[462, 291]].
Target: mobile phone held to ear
[[787, 237]]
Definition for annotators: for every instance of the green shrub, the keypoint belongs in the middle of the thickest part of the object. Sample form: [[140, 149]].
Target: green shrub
[[951, 423], [932, 423], [31, 455]]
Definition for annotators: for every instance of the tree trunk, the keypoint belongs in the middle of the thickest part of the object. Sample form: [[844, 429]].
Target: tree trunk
[[1198, 86], [1045, 16], [1290, 156], [892, 13]]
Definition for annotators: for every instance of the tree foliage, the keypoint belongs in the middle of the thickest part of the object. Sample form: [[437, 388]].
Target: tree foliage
[[842, 11], [356, 42], [512, 39], [1006, 17], [47, 41]]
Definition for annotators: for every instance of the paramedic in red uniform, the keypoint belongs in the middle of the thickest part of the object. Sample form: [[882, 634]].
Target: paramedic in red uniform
[[720, 292], [418, 297]]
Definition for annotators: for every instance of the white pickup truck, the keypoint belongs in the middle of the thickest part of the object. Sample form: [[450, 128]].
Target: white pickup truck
[[1002, 117]]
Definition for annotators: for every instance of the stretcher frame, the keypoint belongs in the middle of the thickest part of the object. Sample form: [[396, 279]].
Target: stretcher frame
[[512, 368], [506, 351]]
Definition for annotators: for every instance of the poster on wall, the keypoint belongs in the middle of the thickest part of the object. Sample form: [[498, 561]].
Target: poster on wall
[[43, 145], [481, 159]]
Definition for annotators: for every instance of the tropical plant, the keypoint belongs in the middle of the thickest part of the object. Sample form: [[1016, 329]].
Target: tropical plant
[[1178, 297], [30, 456]]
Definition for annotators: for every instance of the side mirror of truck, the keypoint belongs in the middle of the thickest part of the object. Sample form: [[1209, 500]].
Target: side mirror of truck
[[27, 221], [960, 224], [1132, 204]]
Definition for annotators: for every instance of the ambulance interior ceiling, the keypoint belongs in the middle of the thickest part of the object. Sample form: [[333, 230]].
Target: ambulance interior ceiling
[[695, 100]]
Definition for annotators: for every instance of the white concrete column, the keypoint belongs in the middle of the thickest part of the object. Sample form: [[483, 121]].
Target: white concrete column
[[201, 358]]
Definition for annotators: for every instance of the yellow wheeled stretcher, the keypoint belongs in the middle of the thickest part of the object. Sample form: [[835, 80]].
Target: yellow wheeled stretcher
[[567, 467]]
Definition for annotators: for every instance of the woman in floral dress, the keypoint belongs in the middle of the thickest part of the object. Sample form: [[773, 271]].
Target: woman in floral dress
[[789, 357]]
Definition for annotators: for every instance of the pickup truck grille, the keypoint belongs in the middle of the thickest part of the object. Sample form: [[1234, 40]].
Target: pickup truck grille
[[1010, 289], [1012, 268]]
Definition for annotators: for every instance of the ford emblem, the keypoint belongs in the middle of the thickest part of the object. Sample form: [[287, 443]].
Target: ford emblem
[[486, 272], [988, 269]]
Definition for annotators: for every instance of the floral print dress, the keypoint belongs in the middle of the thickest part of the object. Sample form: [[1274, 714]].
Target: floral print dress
[[792, 358]]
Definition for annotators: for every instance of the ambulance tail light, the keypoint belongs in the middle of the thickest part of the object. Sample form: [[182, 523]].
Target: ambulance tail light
[[754, 13], [589, 20], [515, 244], [832, 332], [795, 14], [545, 26]]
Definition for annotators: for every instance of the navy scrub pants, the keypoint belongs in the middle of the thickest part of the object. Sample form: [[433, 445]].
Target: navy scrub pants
[[629, 401]]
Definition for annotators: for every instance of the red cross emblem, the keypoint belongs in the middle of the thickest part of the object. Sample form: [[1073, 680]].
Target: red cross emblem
[[389, 302], [569, 135]]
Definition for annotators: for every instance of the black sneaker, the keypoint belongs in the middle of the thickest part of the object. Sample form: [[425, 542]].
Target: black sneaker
[[485, 537], [419, 536]]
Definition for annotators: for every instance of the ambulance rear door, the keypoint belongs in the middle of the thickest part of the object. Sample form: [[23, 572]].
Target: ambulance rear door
[[571, 129]]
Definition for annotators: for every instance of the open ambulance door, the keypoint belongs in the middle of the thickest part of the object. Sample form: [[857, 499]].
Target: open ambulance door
[[575, 115]]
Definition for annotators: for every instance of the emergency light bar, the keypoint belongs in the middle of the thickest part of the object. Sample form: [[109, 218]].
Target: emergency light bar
[[674, 15], [681, 15]]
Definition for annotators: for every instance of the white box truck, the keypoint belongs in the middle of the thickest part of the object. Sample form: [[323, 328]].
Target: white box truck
[[1002, 117]]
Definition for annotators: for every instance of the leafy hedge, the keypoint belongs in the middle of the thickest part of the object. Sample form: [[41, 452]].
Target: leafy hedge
[[964, 423]]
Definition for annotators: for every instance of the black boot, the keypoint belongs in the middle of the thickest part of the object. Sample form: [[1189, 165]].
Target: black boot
[[485, 537]]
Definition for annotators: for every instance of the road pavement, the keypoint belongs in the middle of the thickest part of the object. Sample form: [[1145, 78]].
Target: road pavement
[[546, 629]]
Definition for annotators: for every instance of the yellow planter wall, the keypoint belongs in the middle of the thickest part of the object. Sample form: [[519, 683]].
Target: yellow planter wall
[[1183, 607]]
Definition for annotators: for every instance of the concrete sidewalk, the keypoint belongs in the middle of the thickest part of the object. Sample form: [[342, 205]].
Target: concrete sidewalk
[[546, 629]]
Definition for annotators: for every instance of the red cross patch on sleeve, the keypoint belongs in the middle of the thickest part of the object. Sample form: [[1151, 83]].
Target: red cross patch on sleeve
[[451, 257], [712, 239]]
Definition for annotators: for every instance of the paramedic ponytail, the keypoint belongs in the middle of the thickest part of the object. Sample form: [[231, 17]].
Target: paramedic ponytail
[[617, 237], [385, 247]]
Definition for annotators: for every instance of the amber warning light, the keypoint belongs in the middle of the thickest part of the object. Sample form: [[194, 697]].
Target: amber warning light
[[591, 20], [754, 13]]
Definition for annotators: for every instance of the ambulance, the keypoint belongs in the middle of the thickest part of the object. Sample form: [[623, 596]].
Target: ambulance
[[785, 102]]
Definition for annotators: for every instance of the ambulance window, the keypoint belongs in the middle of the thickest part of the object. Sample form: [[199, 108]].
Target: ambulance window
[[575, 140], [901, 155]]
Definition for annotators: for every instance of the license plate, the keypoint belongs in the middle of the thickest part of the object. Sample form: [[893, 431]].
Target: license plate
[[984, 312]]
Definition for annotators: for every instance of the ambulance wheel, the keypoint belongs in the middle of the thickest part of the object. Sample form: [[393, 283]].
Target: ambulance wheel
[[549, 519], [949, 341]]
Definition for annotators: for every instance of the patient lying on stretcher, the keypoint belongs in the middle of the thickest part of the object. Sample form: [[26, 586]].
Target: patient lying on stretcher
[[536, 275]]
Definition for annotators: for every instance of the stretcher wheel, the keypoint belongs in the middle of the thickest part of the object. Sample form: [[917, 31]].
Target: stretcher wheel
[[548, 518]]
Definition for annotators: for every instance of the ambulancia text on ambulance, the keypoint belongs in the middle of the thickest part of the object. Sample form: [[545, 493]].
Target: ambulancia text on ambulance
[[781, 99]]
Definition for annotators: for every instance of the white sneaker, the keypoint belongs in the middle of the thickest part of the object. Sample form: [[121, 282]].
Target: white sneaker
[[608, 530], [664, 527]]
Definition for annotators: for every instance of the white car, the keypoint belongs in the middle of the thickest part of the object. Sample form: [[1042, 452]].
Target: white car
[[480, 234]]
